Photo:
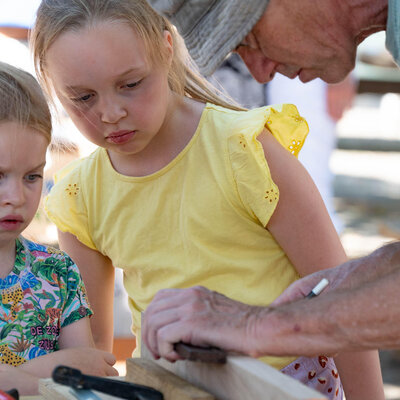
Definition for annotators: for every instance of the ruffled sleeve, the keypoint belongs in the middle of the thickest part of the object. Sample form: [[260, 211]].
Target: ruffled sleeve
[[251, 173], [65, 204]]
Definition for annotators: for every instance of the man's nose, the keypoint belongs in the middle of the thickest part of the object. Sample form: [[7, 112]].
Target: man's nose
[[112, 110], [260, 66]]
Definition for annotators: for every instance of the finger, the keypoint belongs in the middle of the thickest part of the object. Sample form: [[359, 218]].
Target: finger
[[109, 358], [157, 322], [166, 297], [297, 290], [168, 307], [164, 300], [111, 371], [170, 298], [167, 337]]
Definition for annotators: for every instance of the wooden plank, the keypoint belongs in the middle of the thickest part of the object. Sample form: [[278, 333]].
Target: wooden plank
[[147, 372], [240, 378]]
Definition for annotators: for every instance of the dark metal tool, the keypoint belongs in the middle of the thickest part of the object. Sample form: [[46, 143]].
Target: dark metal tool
[[204, 354], [9, 395], [125, 390]]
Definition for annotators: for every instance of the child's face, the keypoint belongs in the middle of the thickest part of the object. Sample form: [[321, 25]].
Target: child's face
[[22, 160], [115, 96]]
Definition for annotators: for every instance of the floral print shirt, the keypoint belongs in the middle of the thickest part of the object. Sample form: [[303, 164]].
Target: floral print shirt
[[42, 294]]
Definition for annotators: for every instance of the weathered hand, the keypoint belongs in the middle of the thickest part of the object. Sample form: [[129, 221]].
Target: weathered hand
[[299, 289], [339, 277], [197, 316]]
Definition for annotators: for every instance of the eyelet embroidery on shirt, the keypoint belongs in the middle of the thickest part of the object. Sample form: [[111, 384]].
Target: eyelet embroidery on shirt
[[242, 141], [297, 118], [295, 146], [270, 195], [72, 189]]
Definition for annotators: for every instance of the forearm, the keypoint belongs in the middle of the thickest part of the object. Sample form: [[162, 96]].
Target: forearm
[[358, 272], [90, 361], [98, 274], [13, 378], [103, 339], [360, 374], [362, 312], [43, 366]]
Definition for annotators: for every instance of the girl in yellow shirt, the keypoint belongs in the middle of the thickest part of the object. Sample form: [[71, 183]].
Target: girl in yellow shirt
[[184, 189]]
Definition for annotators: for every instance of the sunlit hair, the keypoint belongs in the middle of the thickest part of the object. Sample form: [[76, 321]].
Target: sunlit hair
[[55, 17], [22, 100]]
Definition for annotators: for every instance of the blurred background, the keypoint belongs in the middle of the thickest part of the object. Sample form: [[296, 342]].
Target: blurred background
[[352, 152]]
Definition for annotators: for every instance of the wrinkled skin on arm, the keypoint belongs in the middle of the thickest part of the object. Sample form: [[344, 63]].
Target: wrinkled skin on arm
[[359, 310]]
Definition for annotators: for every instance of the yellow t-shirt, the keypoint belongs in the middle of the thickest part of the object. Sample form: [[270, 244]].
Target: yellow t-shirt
[[200, 220]]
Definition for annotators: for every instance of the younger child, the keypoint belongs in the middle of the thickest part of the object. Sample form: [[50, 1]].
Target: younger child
[[184, 189], [43, 305]]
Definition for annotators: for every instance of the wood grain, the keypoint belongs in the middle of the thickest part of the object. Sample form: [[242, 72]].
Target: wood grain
[[147, 372], [240, 378]]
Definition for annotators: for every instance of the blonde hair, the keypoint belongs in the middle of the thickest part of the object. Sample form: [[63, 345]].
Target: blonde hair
[[22, 100], [55, 17]]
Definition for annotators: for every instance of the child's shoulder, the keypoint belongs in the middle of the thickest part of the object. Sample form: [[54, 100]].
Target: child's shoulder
[[239, 120], [231, 123], [42, 251], [80, 167], [259, 113]]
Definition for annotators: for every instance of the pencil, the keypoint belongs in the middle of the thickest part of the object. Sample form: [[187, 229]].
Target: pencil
[[318, 288]]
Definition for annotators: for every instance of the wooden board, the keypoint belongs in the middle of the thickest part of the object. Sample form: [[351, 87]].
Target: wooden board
[[143, 372], [146, 372], [240, 378]]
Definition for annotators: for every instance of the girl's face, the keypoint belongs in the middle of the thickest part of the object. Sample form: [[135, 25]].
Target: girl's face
[[115, 96], [22, 160]]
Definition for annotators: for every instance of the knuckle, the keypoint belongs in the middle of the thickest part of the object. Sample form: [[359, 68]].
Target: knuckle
[[198, 291]]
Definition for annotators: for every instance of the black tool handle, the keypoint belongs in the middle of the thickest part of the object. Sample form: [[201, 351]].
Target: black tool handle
[[204, 354], [13, 393], [125, 390]]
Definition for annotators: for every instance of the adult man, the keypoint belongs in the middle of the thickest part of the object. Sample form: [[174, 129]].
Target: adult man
[[308, 38], [360, 309]]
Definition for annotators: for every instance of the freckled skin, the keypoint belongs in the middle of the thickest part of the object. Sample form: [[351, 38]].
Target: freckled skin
[[310, 38], [297, 328]]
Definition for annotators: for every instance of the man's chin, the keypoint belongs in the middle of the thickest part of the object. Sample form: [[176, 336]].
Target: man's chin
[[290, 73], [329, 76], [307, 75]]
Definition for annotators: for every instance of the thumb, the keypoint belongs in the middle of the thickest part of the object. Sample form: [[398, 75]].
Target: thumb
[[297, 290]]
